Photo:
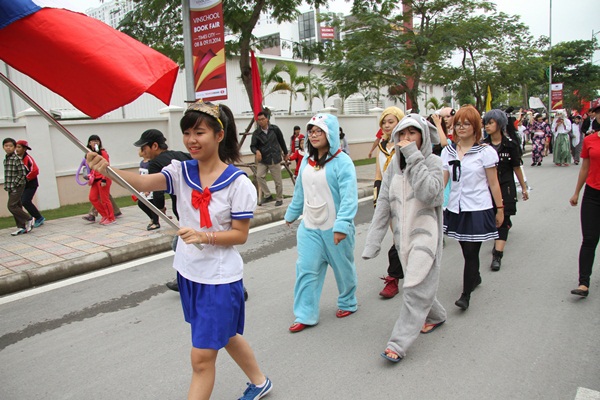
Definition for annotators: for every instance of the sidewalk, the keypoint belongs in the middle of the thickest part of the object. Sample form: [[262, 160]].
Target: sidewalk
[[70, 246]]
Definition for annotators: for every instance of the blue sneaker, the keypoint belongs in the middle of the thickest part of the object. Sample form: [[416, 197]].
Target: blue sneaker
[[39, 222], [253, 392]]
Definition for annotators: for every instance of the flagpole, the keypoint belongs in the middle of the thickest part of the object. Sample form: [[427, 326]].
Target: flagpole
[[83, 148]]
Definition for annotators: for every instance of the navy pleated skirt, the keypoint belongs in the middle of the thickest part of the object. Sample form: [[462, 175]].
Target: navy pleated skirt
[[471, 226]]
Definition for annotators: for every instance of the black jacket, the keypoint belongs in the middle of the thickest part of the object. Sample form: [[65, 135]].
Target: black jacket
[[270, 144]]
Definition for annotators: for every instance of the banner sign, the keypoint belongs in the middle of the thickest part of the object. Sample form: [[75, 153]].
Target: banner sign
[[327, 33], [556, 90], [208, 49]]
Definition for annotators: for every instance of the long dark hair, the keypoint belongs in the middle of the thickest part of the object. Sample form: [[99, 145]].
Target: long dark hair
[[229, 150], [313, 152], [95, 137]]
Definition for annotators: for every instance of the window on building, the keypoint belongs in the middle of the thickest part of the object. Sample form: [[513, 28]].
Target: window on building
[[306, 25]]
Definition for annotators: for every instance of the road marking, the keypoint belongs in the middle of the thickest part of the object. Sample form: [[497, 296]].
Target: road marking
[[117, 268], [587, 394], [82, 278]]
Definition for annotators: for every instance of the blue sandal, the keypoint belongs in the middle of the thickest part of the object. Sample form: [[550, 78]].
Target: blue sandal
[[386, 353]]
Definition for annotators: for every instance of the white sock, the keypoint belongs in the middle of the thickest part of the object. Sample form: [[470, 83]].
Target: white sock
[[262, 385]]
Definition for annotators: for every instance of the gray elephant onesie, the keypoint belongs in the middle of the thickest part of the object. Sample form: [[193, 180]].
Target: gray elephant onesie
[[411, 198]]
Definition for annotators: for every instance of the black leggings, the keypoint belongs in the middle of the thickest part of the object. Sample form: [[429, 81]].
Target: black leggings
[[471, 277], [395, 267], [590, 230], [504, 228], [151, 214]]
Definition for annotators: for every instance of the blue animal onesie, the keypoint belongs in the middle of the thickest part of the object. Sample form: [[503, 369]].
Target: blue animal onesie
[[327, 197]]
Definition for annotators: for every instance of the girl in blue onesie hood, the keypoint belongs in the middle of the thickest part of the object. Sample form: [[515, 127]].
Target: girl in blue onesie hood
[[326, 194]]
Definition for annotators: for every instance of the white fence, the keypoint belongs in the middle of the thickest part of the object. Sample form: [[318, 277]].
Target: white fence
[[58, 158]]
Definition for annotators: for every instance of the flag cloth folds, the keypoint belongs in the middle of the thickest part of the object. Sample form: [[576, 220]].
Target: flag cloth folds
[[257, 96], [93, 66], [488, 99]]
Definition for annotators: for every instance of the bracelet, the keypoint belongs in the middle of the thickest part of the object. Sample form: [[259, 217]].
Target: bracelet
[[211, 238], [499, 206]]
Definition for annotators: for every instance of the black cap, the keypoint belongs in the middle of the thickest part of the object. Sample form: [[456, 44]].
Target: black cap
[[150, 136], [595, 109]]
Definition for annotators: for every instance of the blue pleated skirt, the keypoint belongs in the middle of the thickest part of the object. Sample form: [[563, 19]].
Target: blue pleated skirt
[[471, 226], [215, 313]]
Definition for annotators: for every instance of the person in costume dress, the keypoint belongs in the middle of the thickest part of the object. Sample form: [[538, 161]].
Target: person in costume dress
[[386, 149], [411, 197], [326, 194], [469, 216], [540, 134], [509, 164], [561, 151], [215, 201]]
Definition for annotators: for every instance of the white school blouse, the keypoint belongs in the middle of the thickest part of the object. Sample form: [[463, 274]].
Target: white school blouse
[[470, 192], [232, 197]]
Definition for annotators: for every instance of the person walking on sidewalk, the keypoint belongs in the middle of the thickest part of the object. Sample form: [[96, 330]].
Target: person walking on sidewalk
[[14, 184], [412, 193], [268, 144], [326, 194], [589, 174], [509, 164], [216, 202], [100, 185], [389, 119], [32, 182], [153, 147], [469, 216]]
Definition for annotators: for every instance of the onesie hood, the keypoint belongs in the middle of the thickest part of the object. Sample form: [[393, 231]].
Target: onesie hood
[[429, 133], [328, 123]]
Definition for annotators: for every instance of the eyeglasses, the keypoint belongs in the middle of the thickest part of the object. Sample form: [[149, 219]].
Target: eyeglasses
[[315, 132], [462, 126]]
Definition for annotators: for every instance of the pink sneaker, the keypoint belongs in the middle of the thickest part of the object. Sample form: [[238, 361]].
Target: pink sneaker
[[107, 221]]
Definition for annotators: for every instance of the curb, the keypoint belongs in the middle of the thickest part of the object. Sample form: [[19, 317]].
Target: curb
[[92, 262]]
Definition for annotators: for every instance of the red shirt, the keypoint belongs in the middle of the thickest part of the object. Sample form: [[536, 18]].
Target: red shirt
[[591, 150], [379, 134]]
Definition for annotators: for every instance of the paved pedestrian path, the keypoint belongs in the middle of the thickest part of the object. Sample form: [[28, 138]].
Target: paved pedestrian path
[[71, 246]]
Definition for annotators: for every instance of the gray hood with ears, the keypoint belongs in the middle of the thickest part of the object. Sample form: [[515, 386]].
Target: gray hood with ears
[[429, 133]]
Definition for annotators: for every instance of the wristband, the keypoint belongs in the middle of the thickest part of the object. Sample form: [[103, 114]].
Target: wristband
[[499, 206]]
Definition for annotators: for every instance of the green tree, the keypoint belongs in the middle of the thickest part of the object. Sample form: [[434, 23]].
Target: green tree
[[379, 49], [324, 90], [571, 65], [295, 84], [484, 42]]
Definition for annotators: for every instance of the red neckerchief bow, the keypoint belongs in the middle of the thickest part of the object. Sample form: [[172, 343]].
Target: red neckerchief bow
[[200, 202]]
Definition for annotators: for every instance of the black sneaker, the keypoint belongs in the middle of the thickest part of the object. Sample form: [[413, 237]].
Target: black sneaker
[[173, 285], [278, 203]]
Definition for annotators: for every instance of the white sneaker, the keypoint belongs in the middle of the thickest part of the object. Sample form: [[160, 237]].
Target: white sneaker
[[20, 231], [29, 225]]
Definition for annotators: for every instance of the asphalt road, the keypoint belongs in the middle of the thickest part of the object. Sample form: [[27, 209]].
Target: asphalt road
[[122, 336]]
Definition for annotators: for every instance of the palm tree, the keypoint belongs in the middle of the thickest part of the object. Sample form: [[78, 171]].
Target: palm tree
[[296, 83], [324, 91], [434, 104]]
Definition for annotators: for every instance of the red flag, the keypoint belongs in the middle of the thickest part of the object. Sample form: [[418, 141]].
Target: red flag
[[93, 66], [257, 97]]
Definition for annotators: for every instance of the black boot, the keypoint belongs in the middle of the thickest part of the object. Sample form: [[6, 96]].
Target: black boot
[[496, 260], [463, 302]]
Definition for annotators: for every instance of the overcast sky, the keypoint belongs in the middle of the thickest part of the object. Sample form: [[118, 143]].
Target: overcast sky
[[571, 19]]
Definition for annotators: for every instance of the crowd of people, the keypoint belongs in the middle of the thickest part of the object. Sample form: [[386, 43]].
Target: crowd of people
[[454, 173]]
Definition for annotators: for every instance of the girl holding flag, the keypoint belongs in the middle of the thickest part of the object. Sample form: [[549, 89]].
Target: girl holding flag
[[215, 201]]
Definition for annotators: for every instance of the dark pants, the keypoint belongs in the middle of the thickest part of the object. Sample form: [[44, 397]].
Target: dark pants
[[590, 230], [471, 277], [504, 228], [15, 206], [395, 267], [151, 214], [27, 200]]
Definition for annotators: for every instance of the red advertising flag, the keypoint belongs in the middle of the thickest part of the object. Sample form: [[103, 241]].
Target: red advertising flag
[[93, 66], [257, 96], [556, 91], [208, 49]]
